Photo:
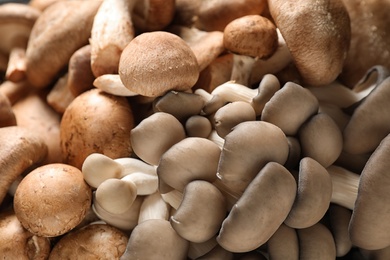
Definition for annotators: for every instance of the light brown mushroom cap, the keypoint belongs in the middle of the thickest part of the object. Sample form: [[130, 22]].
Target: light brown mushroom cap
[[251, 35], [52, 199], [156, 62], [94, 241], [369, 224], [317, 35], [283, 244]]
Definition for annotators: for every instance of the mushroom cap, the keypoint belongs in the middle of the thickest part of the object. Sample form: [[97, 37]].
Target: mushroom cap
[[156, 62], [52, 199], [251, 35], [16, 22], [317, 35], [94, 241]]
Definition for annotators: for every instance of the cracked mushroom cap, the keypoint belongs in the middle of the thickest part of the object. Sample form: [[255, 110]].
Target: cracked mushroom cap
[[155, 62], [52, 199]]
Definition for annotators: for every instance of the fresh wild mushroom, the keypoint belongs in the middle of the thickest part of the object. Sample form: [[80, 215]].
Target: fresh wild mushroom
[[283, 244], [154, 207]]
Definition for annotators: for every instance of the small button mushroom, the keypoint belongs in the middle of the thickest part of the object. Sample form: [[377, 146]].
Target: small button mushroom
[[231, 115], [369, 224], [100, 241], [290, 107], [116, 196], [20, 149], [283, 244], [201, 212], [325, 32], [155, 239], [52, 199], [249, 37], [316, 242], [112, 30], [154, 135], [198, 126], [313, 195], [96, 122], [321, 139], [247, 149], [156, 62], [18, 243], [339, 218], [181, 105], [193, 158], [369, 122], [254, 218], [59, 40], [154, 207]]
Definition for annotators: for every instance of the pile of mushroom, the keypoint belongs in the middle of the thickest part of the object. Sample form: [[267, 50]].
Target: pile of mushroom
[[249, 129]]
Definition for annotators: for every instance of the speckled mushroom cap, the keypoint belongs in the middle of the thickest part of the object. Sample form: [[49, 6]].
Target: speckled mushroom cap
[[156, 62], [251, 35], [52, 199]]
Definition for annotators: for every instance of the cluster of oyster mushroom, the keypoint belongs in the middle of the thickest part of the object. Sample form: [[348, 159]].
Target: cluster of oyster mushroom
[[235, 129]]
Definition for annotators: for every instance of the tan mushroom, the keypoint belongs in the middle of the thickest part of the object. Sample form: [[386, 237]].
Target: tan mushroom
[[283, 244], [156, 234], [218, 252], [87, 243], [18, 243], [201, 212], [52, 199], [198, 126], [254, 218], [176, 70], [96, 122], [197, 250], [154, 207], [317, 35]]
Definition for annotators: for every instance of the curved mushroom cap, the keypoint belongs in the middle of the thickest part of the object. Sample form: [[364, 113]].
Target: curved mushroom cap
[[16, 23], [370, 122], [156, 239], [254, 218], [18, 243], [313, 195], [247, 149], [251, 35], [52, 199], [369, 226], [321, 139], [283, 244], [193, 158], [290, 107], [99, 241], [156, 62], [96, 122], [317, 35]]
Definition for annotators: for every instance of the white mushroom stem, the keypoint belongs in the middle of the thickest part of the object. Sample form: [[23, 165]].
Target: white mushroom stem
[[154, 207], [112, 84], [133, 165], [345, 186], [146, 183], [173, 198], [242, 68]]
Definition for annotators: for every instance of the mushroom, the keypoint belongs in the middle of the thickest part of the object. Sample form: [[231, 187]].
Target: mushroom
[[112, 30], [60, 96], [317, 35], [7, 115], [18, 243], [316, 242], [154, 135], [218, 252], [290, 107], [96, 122], [198, 126], [201, 212], [154, 207], [321, 139], [249, 37], [339, 218], [197, 250], [254, 218], [112, 84], [15, 91], [87, 243], [313, 195], [192, 158], [52, 199], [144, 70], [146, 183], [156, 234], [20, 149], [369, 227], [17, 21], [247, 149], [283, 244], [51, 38]]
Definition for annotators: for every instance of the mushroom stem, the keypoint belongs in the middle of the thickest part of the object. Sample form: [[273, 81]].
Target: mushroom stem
[[112, 84], [154, 207], [344, 186], [16, 69], [242, 69]]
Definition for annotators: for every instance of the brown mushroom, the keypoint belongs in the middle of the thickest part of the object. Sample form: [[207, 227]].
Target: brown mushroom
[[156, 62], [7, 115], [52, 199], [283, 244]]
